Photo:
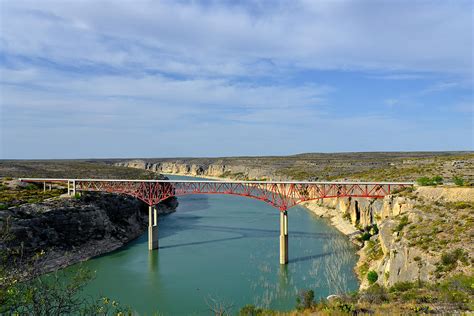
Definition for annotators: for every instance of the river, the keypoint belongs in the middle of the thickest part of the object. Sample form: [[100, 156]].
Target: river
[[220, 248]]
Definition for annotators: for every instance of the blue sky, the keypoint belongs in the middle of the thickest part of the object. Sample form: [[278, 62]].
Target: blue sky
[[84, 79]]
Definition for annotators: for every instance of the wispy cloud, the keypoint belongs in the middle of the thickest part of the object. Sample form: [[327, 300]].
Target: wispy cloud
[[191, 71]]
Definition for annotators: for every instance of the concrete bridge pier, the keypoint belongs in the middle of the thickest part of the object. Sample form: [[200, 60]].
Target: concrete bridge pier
[[283, 237], [152, 228], [71, 187]]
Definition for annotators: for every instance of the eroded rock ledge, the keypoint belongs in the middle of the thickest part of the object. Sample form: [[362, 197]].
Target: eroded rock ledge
[[73, 230], [407, 234]]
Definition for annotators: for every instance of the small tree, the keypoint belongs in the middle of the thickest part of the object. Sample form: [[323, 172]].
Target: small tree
[[437, 180], [459, 181], [372, 277], [250, 310], [305, 299]]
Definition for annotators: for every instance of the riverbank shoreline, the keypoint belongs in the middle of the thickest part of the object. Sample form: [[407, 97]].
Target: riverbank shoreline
[[56, 233]]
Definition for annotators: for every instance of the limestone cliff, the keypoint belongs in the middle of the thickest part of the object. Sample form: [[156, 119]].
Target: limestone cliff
[[423, 234], [205, 169]]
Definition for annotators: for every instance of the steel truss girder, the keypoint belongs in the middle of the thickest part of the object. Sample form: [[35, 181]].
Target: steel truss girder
[[280, 195]]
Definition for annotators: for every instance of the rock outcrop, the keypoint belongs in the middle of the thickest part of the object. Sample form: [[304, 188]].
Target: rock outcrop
[[205, 169], [72, 230], [395, 254]]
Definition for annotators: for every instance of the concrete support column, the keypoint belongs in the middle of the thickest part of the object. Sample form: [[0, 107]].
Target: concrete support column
[[44, 186], [152, 228], [68, 187], [74, 187], [283, 237]]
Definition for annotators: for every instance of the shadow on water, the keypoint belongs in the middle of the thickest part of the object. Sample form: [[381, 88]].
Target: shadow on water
[[312, 257], [248, 232], [199, 203], [201, 242]]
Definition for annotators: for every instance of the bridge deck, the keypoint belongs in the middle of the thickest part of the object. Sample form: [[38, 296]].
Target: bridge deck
[[218, 181]]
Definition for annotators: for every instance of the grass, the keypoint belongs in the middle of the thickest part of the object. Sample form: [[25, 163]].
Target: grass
[[28, 194], [427, 181], [454, 295], [403, 221], [69, 169]]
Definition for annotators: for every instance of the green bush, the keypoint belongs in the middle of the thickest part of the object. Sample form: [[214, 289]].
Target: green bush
[[402, 286], [372, 276], [305, 299], [30, 187], [459, 181], [449, 260], [402, 223], [250, 310], [375, 294], [365, 236], [426, 181], [460, 205]]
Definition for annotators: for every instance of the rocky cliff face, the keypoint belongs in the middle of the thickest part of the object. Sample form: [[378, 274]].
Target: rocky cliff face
[[72, 230], [404, 237], [206, 169], [357, 166]]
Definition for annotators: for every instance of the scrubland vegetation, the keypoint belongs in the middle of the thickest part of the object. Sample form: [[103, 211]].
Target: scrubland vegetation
[[454, 295]]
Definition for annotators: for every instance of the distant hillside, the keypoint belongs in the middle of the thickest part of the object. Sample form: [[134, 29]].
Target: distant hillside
[[319, 166]]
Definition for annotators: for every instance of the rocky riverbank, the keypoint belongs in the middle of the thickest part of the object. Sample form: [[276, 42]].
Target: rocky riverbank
[[69, 230]]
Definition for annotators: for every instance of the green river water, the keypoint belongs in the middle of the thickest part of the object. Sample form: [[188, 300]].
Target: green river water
[[226, 249]]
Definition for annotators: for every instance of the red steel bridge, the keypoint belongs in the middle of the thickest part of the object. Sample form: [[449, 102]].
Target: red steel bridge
[[279, 194]]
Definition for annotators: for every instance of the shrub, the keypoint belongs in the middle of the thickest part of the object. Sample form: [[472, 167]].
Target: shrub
[[305, 299], [375, 294], [402, 287], [372, 276], [403, 222], [365, 236], [437, 180], [459, 181], [250, 310], [425, 181], [421, 308], [374, 230], [30, 187], [449, 260], [460, 205]]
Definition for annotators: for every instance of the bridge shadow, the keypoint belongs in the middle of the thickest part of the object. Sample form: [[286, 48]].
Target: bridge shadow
[[312, 257], [248, 232], [194, 243], [198, 202]]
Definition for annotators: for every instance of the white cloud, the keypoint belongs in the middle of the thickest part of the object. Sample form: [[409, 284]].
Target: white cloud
[[217, 39], [191, 77]]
